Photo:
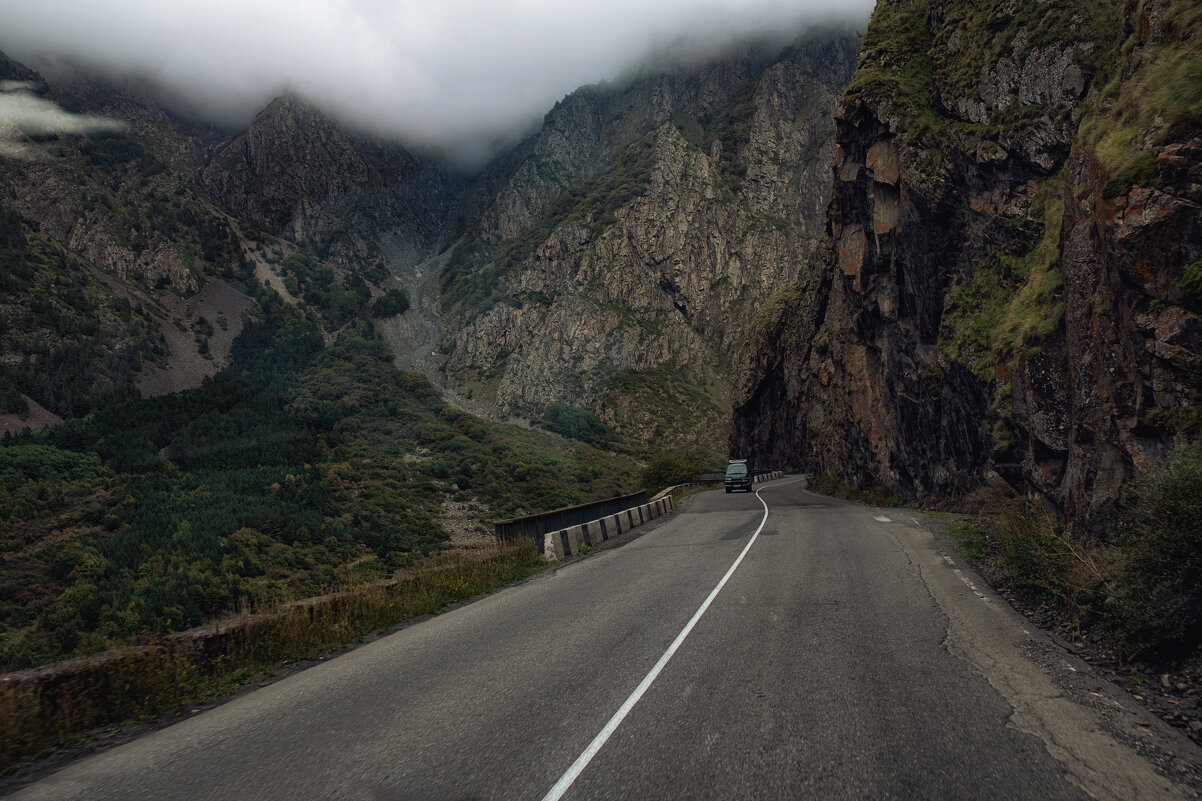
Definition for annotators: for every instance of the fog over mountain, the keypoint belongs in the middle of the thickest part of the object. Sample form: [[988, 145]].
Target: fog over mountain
[[24, 114], [456, 75]]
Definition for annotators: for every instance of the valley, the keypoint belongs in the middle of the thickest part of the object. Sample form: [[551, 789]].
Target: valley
[[308, 358], [951, 262]]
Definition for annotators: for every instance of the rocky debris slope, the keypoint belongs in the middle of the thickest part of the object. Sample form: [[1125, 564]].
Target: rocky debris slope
[[1010, 284], [614, 260]]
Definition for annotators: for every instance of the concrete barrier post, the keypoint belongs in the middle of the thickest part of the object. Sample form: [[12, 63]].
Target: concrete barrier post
[[572, 540], [552, 550]]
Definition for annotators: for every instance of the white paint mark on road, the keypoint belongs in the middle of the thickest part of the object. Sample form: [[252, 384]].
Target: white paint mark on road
[[566, 780], [882, 519], [968, 583]]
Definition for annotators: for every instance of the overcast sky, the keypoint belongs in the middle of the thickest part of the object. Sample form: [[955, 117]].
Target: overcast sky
[[443, 72]]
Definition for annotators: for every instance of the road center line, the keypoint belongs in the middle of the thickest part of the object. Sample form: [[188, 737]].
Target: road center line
[[566, 780]]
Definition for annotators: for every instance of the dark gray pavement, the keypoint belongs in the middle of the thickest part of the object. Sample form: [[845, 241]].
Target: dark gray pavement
[[851, 655]]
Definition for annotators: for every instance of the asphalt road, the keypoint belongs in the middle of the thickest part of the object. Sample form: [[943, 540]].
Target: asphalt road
[[851, 654]]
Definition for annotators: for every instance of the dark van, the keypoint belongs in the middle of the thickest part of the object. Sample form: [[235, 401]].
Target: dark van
[[737, 476]]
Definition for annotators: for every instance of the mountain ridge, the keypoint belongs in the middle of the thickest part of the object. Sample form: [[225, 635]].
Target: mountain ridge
[[295, 191], [601, 286]]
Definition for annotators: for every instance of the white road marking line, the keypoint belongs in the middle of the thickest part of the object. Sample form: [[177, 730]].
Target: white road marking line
[[566, 780], [969, 584]]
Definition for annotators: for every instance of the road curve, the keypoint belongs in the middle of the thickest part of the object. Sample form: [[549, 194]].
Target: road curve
[[850, 655]]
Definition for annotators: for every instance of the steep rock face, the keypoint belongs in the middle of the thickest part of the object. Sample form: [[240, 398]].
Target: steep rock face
[[621, 252], [302, 176], [584, 131], [1006, 283], [105, 243], [118, 196]]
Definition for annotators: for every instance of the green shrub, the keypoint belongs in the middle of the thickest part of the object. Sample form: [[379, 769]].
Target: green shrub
[[668, 468], [1156, 604], [1042, 560], [1191, 282], [1030, 552], [576, 423], [836, 486], [112, 149], [143, 682], [390, 304], [11, 400], [21, 463], [1138, 170]]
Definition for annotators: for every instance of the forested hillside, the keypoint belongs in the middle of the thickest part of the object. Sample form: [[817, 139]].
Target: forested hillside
[[236, 434], [296, 470]]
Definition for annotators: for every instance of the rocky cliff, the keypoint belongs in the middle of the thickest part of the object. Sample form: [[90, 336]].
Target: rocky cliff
[[125, 230], [607, 263], [303, 177], [107, 249], [1009, 285], [612, 260]]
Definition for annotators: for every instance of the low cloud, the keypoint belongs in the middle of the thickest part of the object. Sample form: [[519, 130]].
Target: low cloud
[[454, 74], [24, 117]]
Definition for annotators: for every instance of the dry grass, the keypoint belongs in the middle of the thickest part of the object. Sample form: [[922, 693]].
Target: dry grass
[[46, 708], [1041, 559]]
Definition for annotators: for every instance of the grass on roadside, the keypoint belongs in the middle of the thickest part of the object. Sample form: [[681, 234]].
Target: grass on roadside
[[68, 705], [838, 487], [1139, 583]]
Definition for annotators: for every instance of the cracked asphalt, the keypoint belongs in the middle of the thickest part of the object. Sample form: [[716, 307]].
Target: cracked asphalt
[[852, 654]]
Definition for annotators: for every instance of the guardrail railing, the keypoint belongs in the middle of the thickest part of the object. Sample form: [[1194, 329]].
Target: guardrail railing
[[534, 527]]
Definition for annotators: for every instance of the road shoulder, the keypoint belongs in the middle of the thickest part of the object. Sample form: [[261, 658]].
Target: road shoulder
[[1110, 746]]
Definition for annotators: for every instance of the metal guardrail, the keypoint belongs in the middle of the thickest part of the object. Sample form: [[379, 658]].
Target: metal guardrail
[[533, 527]]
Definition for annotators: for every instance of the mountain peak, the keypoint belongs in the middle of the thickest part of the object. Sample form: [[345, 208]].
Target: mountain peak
[[11, 70]]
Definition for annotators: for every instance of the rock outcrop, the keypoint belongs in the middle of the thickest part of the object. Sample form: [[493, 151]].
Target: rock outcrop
[[305, 178], [615, 259], [123, 232], [105, 240], [1010, 280]]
